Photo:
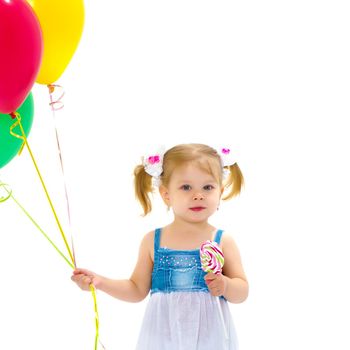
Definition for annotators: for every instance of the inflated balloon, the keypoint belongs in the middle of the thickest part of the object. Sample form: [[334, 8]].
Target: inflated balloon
[[20, 52], [9, 144], [62, 23]]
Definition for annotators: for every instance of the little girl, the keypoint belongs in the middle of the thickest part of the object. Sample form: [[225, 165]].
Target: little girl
[[182, 313]]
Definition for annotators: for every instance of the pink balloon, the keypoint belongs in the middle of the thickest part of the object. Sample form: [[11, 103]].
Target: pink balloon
[[21, 47]]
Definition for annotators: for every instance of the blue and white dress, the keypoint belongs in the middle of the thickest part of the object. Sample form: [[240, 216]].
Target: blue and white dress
[[181, 313]]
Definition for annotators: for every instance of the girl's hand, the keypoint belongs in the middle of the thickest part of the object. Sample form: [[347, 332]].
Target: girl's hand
[[83, 278], [216, 284]]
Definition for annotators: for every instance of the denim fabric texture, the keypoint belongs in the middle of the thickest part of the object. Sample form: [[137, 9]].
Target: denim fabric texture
[[177, 270]]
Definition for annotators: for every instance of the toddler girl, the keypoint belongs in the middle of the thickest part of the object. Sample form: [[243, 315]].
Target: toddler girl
[[182, 312]]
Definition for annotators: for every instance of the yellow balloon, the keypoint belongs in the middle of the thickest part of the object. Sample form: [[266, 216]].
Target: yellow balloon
[[62, 23]]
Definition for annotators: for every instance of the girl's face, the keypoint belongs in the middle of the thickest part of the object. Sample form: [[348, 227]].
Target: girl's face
[[193, 194]]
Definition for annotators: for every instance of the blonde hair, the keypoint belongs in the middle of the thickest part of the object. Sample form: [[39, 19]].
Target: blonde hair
[[205, 157]]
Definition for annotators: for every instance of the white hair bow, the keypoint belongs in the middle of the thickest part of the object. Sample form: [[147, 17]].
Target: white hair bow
[[227, 159], [153, 164]]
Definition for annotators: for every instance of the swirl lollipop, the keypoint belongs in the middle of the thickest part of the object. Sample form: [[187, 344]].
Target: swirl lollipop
[[212, 260]]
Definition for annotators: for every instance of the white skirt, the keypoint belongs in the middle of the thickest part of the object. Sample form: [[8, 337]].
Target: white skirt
[[186, 321]]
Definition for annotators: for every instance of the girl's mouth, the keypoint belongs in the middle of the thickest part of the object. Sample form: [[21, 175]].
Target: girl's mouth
[[197, 208]]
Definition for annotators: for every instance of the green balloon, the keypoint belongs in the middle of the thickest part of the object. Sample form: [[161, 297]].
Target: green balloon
[[10, 145]]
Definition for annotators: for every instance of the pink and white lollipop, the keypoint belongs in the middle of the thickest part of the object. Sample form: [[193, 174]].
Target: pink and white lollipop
[[212, 260], [212, 257]]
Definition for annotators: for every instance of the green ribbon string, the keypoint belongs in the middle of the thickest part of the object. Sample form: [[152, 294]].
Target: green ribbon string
[[10, 195]]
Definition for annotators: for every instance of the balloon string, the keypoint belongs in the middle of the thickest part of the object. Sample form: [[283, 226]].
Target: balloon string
[[58, 103], [25, 142], [4, 199], [16, 135], [92, 288], [43, 185], [97, 320], [10, 195], [55, 106]]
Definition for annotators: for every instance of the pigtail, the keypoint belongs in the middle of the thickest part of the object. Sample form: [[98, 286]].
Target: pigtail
[[235, 181], [143, 186]]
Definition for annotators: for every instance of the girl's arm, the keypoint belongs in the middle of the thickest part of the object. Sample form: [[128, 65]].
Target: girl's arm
[[134, 289], [232, 284], [237, 287]]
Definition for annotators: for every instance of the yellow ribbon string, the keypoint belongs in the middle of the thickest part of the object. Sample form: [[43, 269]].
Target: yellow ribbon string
[[16, 135], [97, 321], [43, 184]]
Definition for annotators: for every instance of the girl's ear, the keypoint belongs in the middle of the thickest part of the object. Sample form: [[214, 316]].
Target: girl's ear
[[164, 194]]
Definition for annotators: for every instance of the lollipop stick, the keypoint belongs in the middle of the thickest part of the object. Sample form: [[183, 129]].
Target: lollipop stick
[[222, 317], [212, 260]]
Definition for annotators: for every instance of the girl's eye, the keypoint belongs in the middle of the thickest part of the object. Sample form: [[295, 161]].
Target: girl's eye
[[186, 187], [208, 187]]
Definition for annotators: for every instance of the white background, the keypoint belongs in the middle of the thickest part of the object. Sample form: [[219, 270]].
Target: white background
[[270, 80]]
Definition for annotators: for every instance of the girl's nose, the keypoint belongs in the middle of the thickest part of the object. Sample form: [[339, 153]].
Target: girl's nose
[[198, 196]]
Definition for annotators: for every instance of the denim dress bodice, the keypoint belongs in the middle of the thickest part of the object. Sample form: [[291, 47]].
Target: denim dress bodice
[[177, 270]]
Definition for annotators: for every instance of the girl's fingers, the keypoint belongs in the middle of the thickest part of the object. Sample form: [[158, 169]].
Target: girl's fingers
[[81, 278], [210, 276], [82, 271]]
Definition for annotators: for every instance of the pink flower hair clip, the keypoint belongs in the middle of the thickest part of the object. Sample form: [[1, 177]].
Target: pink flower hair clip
[[153, 165], [227, 159]]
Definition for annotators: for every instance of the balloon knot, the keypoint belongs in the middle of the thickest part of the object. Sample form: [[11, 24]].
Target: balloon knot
[[51, 88]]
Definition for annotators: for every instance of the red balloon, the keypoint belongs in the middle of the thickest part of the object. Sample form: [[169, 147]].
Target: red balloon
[[21, 48]]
